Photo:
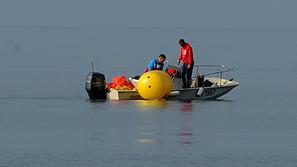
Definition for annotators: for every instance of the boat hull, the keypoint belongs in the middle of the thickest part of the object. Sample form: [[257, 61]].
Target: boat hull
[[206, 93], [114, 94]]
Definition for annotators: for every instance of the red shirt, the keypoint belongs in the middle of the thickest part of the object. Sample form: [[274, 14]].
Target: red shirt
[[186, 54]]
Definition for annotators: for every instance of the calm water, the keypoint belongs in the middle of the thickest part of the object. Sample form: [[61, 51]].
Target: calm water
[[46, 119]]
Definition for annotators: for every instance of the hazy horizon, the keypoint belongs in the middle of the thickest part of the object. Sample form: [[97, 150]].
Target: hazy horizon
[[140, 13]]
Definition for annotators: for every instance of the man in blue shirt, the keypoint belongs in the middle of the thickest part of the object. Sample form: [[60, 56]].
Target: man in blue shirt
[[156, 64]]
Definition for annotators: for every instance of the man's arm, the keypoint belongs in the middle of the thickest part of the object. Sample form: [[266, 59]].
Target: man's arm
[[151, 65], [191, 56], [180, 57]]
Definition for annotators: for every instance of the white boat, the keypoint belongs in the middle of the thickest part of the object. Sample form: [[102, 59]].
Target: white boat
[[201, 88], [218, 88]]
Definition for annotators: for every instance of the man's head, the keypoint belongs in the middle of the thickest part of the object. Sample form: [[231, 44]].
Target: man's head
[[161, 58], [182, 43]]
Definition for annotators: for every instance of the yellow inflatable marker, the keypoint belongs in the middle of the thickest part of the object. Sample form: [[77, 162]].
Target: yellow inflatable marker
[[167, 81], [154, 85]]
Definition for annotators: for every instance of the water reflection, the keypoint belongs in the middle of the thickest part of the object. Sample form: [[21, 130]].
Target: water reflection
[[185, 137], [149, 105], [185, 124], [146, 138], [119, 102], [150, 124], [187, 106]]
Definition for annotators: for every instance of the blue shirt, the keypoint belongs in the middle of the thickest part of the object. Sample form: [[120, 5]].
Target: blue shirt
[[154, 65]]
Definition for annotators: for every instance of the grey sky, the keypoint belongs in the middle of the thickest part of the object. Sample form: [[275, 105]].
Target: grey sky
[[150, 13]]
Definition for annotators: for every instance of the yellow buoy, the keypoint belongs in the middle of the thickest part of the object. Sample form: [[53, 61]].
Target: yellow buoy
[[167, 81], [154, 85]]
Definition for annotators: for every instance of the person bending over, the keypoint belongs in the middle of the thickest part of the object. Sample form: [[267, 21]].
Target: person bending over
[[156, 64]]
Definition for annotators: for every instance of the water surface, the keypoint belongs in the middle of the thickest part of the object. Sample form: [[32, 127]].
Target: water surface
[[46, 119]]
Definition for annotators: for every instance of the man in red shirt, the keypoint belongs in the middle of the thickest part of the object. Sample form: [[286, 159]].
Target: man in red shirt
[[186, 56]]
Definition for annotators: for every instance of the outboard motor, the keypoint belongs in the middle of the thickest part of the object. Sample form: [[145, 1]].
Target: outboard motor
[[96, 86]]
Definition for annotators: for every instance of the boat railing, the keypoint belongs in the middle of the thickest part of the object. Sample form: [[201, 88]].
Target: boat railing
[[220, 70]]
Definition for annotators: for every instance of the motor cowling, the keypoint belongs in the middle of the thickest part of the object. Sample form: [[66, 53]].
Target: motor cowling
[[96, 86]]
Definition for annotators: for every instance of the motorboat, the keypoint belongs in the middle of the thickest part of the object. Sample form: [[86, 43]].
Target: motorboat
[[204, 86]]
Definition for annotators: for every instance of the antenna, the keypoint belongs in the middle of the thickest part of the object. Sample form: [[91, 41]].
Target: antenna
[[92, 64]]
